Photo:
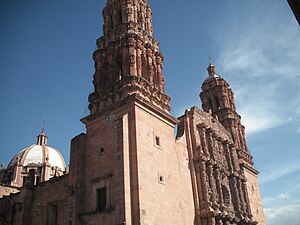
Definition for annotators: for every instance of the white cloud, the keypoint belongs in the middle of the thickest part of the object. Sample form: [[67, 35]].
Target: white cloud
[[288, 214], [260, 60], [276, 198], [256, 122], [298, 130], [258, 106], [278, 172], [259, 48]]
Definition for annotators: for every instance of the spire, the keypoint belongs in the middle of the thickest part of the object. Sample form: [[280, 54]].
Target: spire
[[127, 59]]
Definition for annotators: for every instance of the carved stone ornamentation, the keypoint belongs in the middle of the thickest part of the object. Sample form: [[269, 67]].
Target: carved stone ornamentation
[[131, 59]]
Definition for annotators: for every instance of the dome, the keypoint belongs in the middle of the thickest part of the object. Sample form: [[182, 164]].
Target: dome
[[39, 162], [212, 73], [211, 77], [39, 154]]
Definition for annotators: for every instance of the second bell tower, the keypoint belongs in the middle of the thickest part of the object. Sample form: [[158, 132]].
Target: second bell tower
[[218, 98]]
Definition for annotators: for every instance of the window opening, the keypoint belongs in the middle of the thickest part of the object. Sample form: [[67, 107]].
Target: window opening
[[52, 212], [101, 150], [101, 199], [157, 141], [161, 179]]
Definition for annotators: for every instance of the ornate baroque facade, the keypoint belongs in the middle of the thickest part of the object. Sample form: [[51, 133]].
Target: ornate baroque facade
[[129, 168]]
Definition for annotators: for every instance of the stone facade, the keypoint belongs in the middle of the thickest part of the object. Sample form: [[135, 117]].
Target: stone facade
[[218, 100], [129, 167], [7, 190]]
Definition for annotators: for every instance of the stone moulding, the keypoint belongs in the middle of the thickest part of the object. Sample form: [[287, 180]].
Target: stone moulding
[[125, 87]]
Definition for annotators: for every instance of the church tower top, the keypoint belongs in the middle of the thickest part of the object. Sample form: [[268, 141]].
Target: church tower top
[[218, 98], [211, 70], [127, 59], [42, 138], [131, 16]]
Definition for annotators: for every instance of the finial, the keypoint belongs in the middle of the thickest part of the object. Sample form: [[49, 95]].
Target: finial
[[43, 128], [211, 68], [209, 59]]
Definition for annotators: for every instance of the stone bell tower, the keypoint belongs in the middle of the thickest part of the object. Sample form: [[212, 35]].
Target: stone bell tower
[[127, 59], [126, 169], [218, 99]]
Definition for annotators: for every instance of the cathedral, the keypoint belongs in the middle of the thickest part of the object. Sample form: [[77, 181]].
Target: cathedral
[[130, 167]]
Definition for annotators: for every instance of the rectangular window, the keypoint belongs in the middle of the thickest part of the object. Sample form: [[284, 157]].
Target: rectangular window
[[157, 141], [161, 179], [101, 199], [52, 212]]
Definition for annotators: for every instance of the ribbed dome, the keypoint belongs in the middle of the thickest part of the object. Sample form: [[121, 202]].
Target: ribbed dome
[[39, 154]]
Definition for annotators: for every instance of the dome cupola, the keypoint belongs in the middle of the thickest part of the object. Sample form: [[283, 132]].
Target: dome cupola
[[45, 161], [212, 72]]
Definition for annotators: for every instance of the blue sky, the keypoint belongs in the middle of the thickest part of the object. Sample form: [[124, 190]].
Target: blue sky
[[46, 73]]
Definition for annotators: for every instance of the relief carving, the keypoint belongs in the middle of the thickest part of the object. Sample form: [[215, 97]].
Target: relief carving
[[131, 60]]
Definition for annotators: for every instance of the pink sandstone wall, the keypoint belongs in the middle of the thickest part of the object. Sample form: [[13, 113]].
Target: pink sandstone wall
[[254, 197], [170, 200]]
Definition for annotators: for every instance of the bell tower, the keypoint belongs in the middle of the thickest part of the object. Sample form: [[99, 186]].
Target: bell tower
[[218, 99], [125, 165], [127, 59]]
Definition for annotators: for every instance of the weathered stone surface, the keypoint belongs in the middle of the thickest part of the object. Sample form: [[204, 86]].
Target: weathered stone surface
[[218, 100], [7, 190], [129, 168]]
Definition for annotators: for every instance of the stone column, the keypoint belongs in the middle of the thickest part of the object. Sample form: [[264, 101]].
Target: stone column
[[132, 57], [218, 186], [242, 197], [205, 186], [228, 156], [244, 185], [234, 193], [212, 183], [139, 58], [150, 65], [234, 157], [203, 141], [210, 143]]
